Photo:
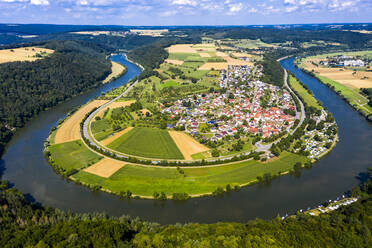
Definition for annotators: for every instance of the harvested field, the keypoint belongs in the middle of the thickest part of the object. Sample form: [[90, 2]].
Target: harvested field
[[116, 69], [70, 129], [356, 80], [186, 144], [214, 65], [114, 105], [23, 54], [105, 167], [174, 61], [113, 137], [242, 55], [205, 55], [181, 48], [224, 65]]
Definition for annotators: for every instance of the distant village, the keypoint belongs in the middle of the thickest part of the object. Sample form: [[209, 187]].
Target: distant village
[[345, 61], [247, 105]]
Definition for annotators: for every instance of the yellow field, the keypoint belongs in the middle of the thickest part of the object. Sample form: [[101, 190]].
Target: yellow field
[[113, 105], [356, 80], [22, 54], [174, 61], [242, 55], [204, 55], [105, 167], [181, 48], [224, 65], [116, 69], [214, 65], [70, 129], [186, 144], [113, 137]]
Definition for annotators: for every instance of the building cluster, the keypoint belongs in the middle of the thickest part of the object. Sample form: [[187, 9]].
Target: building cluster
[[243, 104], [343, 60]]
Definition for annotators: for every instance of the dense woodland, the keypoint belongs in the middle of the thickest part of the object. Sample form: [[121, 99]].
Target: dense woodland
[[25, 224], [27, 88]]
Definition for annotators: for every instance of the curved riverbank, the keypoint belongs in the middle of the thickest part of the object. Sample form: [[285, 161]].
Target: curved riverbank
[[331, 176]]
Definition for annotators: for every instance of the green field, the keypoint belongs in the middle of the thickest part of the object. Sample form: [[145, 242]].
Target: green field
[[145, 180], [169, 83], [147, 142], [308, 98], [73, 155], [101, 129], [184, 56]]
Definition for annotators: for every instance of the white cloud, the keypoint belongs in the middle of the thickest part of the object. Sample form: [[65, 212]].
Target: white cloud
[[234, 8], [185, 2], [39, 2]]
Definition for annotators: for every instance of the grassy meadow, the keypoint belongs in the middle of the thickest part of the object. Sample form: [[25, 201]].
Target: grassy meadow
[[144, 181], [308, 98], [147, 142], [73, 155]]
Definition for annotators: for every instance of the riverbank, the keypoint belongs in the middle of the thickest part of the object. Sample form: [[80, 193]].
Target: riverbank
[[351, 95]]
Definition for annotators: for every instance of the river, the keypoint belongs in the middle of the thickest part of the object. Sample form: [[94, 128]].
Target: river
[[24, 165]]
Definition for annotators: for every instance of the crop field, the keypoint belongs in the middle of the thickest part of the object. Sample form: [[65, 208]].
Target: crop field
[[308, 98], [145, 180], [174, 61], [23, 54], [114, 136], [147, 142], [346, 81], [181, 48], [116, 70], [187, 145], [114, 105], [70, 128], [105, 167], [73, 155]]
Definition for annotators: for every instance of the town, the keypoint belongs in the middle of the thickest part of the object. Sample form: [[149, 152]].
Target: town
[[242, 105]]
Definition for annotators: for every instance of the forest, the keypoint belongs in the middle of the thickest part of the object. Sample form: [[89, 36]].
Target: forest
[[29, 224], [27, 88]]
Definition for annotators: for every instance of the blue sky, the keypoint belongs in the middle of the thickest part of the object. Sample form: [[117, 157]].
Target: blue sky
[[184, 12]]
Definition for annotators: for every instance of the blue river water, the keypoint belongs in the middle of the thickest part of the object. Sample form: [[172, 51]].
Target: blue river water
[[24, 165]]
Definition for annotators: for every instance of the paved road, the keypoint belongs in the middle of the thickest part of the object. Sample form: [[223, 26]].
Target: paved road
[[299, 115], [86, 126]]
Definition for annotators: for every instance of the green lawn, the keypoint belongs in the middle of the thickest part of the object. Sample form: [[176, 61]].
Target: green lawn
[[73, 155], [145, 180], [169, 83], [147, 142], [308, 98]]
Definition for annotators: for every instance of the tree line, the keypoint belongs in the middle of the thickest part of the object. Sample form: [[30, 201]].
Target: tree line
[[28, 88]]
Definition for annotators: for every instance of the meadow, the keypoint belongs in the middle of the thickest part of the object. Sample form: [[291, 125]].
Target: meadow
[[306, 96], [147, 142], [144, 181], [73, 155]]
